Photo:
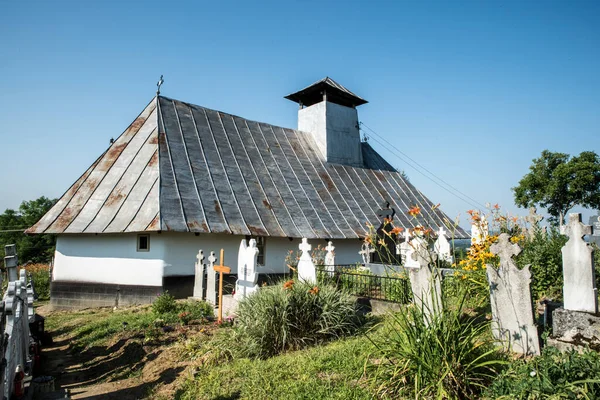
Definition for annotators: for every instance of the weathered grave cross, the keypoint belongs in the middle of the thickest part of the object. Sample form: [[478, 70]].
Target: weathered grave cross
[[533, 219], [505, 249], [221, 269]]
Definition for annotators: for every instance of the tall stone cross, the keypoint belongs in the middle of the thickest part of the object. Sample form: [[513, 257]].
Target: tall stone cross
[[247, 275], [426, 284], [579, 291], [387, 212], [533, 220], [199, 275], [510, 298], [330, 258], [211, 279], [306, 269], [221, 269]]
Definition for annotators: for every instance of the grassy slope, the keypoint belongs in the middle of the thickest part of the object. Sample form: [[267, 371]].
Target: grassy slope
[[333, 371]]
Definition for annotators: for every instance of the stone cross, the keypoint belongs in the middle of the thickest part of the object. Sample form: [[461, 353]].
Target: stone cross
[[579, 291], [11, 262], [365, 252], [211, 279], [442, 246], [417, 252], [199, 275], [510, 298], [386, 212], [330, 259], [306, 268], [426, 284], [221, 269], [533, 220], [247, 275], [403, 248]]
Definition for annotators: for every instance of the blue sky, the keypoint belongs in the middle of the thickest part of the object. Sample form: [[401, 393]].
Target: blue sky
[[471, 90]]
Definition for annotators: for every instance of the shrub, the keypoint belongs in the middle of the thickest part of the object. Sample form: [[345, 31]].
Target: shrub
[[164, 304], [553, 375], [294, 315], [443, 355], [41, 279], [196, 310], [543, 252]]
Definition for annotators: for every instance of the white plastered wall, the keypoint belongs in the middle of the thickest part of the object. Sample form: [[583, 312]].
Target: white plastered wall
[[113, 258]]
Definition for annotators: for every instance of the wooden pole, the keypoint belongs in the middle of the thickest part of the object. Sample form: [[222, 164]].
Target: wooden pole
[[221, 289]]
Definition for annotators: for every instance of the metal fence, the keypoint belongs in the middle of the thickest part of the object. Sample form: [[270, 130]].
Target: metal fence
[[361, 283]]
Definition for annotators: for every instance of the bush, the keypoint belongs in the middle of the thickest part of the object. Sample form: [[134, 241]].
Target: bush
[[41, 279], [543, 252], [553, 375], [292, 316], [164, 304], [442, 355]]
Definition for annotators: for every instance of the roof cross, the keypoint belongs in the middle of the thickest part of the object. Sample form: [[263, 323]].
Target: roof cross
[[159, 84]]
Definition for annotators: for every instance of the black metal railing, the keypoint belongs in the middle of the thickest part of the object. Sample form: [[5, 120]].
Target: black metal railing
[[362, 283]]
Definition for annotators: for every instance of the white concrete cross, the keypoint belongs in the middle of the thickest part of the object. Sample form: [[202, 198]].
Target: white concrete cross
[[246, 283], [199, 275], [533, 219], [579, 290], [365, 252], [510, 298], [330, 258], [442, 246], [211, 279], [306, 268]]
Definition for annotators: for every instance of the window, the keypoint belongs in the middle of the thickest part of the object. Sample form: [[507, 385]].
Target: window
[[260, 245], [143, 243]]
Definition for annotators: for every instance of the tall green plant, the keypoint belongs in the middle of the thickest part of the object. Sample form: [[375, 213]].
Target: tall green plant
[[440, 354], [292, 316]]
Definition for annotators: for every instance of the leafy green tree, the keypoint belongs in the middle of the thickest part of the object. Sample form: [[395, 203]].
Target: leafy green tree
[[34, 248], [558, 182]]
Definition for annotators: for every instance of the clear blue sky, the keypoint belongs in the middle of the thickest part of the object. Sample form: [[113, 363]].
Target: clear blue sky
[[471, 90]]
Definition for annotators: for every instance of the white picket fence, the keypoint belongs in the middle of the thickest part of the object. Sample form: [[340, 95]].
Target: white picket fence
[[17, 312]]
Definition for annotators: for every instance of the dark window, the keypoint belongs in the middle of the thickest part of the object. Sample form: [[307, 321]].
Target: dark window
[[143, 243]]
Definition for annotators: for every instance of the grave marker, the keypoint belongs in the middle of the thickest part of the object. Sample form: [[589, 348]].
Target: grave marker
[[306, 269], [199, 276], [595, 224], [221, 269], [365, 252], [247, 275], [426, 284], [579, 291], [211, 279], [533, 220], [510, 298], [330, 259], [442, 246]]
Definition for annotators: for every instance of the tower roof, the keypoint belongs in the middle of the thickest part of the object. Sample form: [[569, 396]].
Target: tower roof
[[335, 92]]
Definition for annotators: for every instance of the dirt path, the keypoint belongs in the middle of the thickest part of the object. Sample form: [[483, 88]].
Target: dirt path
[[124, 369]]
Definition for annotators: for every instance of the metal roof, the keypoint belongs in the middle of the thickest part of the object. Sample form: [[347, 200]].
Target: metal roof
[[185, 168], [335, 92]]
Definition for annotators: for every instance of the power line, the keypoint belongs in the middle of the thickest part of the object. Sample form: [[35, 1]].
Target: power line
[[472, 201], [12, 230]]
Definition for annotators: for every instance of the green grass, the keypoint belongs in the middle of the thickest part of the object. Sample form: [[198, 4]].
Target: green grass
[[97, 327], [333, 371]]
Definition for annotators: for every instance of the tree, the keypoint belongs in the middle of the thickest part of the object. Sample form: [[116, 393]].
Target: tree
[[558, 182], [34, 248]]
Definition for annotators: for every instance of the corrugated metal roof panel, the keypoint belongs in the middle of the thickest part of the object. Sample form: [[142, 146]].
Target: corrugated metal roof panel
[[181, 167]]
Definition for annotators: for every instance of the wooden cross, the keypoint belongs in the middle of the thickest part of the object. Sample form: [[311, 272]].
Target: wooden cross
[[221, 269]]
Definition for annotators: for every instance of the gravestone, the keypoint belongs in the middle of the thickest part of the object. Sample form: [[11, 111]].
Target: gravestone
[[211, 279], [330, 259], [595, 224], [199, 276], [533, 220], [247, 275], [442, 246], [417, 252], [479, 231], [11, 262], [426, 284], [403, 249], [306, 268], [365, 252], [579, 290], [510, 298]]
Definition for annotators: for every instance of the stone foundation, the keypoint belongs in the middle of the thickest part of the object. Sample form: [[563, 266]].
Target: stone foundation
[[76, 295]]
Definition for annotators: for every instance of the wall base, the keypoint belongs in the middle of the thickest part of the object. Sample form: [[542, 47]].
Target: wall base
[[76, 295]]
